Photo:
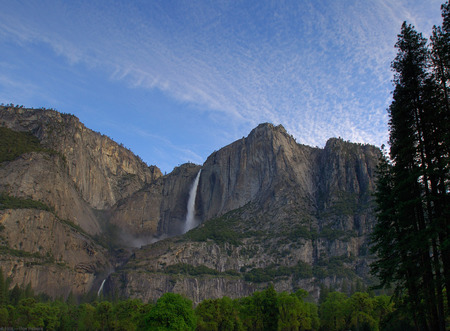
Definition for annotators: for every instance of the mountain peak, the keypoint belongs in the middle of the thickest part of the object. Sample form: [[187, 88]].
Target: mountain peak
[[269, 127], [267, 132]]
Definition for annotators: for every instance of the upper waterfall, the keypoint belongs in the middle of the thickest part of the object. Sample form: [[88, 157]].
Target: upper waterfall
[[191, 222]]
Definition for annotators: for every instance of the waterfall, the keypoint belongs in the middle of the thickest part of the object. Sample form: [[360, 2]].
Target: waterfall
[[190, 216], [101, 287]]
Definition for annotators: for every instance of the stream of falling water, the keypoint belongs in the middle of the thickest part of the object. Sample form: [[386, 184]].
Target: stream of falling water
[[190, 216], [100, 290]]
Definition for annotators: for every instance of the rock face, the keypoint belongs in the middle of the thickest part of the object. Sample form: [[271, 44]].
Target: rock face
[[265, 163], [44, 178], [272, 211]]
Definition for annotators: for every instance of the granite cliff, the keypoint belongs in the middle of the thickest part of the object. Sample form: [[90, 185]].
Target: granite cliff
[[272, 210]]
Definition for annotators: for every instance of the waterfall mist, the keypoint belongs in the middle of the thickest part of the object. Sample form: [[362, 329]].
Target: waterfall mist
[[191, 222]]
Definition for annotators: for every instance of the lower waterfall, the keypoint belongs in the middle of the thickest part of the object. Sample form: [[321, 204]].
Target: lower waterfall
[[100, 290]]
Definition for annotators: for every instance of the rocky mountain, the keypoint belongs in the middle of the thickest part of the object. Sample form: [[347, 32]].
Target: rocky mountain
[[271, 210]]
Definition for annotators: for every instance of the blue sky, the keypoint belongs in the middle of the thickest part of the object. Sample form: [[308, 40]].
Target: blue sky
[[175, 80]]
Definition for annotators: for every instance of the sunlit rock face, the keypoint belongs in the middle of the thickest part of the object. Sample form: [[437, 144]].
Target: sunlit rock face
[[272, 210], [255, 168], [102, 170]]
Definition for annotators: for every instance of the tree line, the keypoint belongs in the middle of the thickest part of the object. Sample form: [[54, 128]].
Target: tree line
[[263, 310], [412, 236]]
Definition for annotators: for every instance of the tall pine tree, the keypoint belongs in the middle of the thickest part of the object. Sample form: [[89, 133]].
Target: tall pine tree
[[440, 55], [411, 234]]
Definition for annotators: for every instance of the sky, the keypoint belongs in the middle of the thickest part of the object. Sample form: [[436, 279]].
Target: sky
[[174, 81]]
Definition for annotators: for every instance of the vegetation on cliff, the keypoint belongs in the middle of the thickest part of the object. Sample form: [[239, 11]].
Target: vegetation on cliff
[[220, 229], [10, 202], [16, 143]]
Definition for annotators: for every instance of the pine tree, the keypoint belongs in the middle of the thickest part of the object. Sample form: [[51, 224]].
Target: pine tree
[[389, 238], [440, 55], [3, 289]]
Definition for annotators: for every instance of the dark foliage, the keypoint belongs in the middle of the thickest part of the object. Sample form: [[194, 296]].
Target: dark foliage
[[10, 202], [411, 238]]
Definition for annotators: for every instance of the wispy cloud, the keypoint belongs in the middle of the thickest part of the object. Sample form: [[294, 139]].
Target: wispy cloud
[[160, 147], [321, 68]]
